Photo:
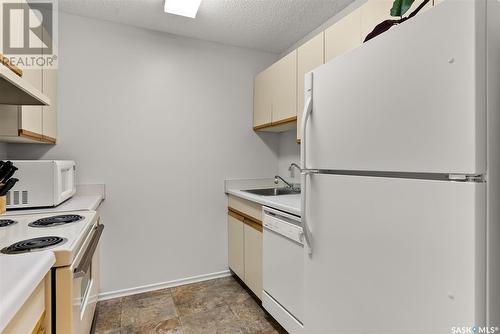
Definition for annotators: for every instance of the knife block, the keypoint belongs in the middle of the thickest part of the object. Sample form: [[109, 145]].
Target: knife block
[[3, 203]]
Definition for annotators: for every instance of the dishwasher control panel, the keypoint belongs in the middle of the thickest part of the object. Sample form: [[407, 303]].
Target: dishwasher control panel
[[283, 226]]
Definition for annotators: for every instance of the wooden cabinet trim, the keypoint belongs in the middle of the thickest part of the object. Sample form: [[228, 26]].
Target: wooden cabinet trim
[[272, 124], [49, 140], [36, 136], [262, 126], [5, 61], [39, 324], [254, 225], [30, 135], [244, 218], [235, 215]]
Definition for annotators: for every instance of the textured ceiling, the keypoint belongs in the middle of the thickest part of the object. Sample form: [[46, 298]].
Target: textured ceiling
[[267, 25]]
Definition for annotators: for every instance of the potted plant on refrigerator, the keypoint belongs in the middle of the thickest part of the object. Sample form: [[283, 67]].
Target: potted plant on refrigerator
[[399, 8]]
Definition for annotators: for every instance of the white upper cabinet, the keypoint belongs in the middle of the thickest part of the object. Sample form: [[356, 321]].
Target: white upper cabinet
[[30, 122], [343, 35], [19, 87], [262, 100], [49, 113], [275, 96], [285, 88], [31, 116]]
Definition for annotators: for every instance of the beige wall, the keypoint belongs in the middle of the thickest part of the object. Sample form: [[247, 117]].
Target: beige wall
[[288, 152], [162, 121]]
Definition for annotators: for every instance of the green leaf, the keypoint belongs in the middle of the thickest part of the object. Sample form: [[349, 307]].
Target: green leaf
[[406, 5], [396, 8], [400, 7]]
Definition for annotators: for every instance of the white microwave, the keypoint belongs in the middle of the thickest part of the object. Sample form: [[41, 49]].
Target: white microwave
[[42, 183]]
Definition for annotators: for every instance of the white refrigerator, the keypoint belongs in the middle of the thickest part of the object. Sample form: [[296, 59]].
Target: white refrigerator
[[400, 179]]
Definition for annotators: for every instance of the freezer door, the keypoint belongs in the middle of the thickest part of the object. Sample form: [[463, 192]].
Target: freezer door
[[394, 255], [410, 100]]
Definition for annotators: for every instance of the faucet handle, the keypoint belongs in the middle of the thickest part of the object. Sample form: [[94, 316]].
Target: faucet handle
[[291, 169]]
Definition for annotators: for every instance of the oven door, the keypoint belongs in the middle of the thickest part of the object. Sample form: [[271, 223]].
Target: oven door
[[77, 288]]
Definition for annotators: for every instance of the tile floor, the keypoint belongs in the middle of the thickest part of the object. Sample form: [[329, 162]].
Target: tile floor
[[216, 306]]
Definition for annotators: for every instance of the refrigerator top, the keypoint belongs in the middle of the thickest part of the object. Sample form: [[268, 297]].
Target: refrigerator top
[[410, 101]]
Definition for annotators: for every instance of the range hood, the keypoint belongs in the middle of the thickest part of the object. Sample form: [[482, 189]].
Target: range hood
[[14, 90]]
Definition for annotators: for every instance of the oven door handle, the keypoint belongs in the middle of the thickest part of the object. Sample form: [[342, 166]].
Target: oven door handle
[[86, 260]]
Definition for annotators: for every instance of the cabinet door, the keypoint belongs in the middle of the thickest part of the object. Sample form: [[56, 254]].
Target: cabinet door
[[9, 120], [262, 99], [343, 35], [374, 12], [236, 241], [49, 115], [253, 259], [309, 56], [284, 84], [31, 116], [50, 89], [30, 318]]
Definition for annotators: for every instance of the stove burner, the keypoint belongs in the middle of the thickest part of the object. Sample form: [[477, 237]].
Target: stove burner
[[7, 222], [31, 245], [56, 220]]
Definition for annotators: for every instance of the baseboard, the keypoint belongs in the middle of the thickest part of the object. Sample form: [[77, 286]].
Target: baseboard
[[163, 285]]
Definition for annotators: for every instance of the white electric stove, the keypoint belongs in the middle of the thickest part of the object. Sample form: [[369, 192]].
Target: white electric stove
[[73, 237], [62, 233]]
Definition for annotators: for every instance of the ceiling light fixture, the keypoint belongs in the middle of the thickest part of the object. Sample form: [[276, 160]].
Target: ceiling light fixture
[[187, 8]]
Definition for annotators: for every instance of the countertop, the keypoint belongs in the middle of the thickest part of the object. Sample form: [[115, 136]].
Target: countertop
[[286, 203], [19, 276], [88, 197], [75, 203]]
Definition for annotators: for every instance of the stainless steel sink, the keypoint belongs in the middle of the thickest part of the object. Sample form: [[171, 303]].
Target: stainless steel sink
[[273, 191]]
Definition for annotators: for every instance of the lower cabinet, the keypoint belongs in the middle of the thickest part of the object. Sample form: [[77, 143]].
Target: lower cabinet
[[253, 259], [236, 252], [34, 315], [245, 248]]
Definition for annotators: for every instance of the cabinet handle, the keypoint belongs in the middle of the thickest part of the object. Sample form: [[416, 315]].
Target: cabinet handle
[[236, 216], [253, 224]]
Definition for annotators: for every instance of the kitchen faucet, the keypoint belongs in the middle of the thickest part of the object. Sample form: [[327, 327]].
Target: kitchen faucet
[[290, 169], [277, 178]]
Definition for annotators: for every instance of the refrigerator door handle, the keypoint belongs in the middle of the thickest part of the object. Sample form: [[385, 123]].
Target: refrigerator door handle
[[304, 173]]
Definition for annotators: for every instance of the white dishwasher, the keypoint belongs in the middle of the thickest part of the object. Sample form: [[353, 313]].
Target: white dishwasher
[[283, 268]]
